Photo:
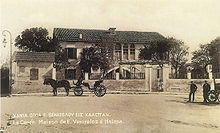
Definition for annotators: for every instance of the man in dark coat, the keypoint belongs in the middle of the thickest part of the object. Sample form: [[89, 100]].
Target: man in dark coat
[[206, 89], [193, 89]]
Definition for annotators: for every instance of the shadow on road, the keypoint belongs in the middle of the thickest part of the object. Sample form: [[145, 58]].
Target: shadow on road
[[204, 125], [203, 103], [196, 103], [63, 96], [48, 95]]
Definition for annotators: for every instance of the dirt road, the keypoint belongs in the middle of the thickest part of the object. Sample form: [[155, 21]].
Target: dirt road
[[149, 113]]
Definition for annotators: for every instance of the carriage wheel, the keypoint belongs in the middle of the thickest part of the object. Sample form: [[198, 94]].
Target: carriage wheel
[[100, 91], [212, 97], [78, 91]]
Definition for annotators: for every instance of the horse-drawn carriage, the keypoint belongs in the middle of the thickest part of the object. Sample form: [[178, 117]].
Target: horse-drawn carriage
[[98, 89]]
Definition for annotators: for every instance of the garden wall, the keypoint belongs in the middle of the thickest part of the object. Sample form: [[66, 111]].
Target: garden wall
[[30, 87], [183, 85], [172, 85], [38, 87]]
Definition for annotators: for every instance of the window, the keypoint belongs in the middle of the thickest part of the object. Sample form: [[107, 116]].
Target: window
[[21, 69], [34, 74], [70, 74], [118, 51], [71, 53], [125, 52], [132, 52]]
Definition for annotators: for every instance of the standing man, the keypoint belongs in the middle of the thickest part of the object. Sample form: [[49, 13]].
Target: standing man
[[206, 89], [193, 89]]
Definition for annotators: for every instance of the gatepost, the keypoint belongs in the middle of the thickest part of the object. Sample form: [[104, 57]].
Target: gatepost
[[165, 77], [148, 78], [189, 69], [54, 74], [86, 76], [117, 76], [209, 70]]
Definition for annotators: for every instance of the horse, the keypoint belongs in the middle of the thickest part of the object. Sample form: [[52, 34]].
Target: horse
[[57, 84]]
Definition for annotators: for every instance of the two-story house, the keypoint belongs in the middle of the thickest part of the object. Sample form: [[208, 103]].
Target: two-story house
[[126, 48]]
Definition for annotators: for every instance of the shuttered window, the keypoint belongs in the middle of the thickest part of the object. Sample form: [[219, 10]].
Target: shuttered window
[[34, 74], [71, 53]]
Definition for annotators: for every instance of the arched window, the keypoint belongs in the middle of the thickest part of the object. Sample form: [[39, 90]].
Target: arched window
[[118, 51], [125, 52], [132, 52]]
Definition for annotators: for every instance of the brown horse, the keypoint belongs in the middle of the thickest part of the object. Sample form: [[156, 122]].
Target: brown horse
[[57, 84]]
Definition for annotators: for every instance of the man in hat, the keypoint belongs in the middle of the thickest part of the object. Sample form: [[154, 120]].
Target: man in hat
[[193, 89], [206, 89]]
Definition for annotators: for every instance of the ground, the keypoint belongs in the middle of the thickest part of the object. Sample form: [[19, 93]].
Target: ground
[[113, 113]]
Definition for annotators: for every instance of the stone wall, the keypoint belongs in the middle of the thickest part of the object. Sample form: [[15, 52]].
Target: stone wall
[[125, 84], [38, 87], [183, 85], [172, 85], [30, 87]]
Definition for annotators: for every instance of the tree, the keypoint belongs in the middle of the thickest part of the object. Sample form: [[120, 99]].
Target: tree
[[157, 51], [208, 54], [164, 51], [99, 55], [35, 40], [93, 57], [178, 55], [214, 50], [38, 40], [202, 56], [61, 59]]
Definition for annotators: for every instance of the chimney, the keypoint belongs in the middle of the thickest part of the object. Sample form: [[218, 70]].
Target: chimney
[[80, 36], [111, 30]]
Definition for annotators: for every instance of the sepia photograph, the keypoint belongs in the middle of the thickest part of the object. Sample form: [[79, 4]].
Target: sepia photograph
[[110, 66]]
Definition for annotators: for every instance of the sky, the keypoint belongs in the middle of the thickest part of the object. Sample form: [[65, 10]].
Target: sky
[[193, 21]]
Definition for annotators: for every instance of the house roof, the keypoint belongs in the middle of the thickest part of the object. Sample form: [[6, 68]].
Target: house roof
[[89, 35], [35, 56]]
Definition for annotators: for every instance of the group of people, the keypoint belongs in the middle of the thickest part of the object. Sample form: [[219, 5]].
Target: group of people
[[193, 88]]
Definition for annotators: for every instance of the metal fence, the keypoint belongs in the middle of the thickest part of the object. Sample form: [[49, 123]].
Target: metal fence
[[112, 76], [200, 76], [95, 76], [182, 76], [216, 75], [133, 76]]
